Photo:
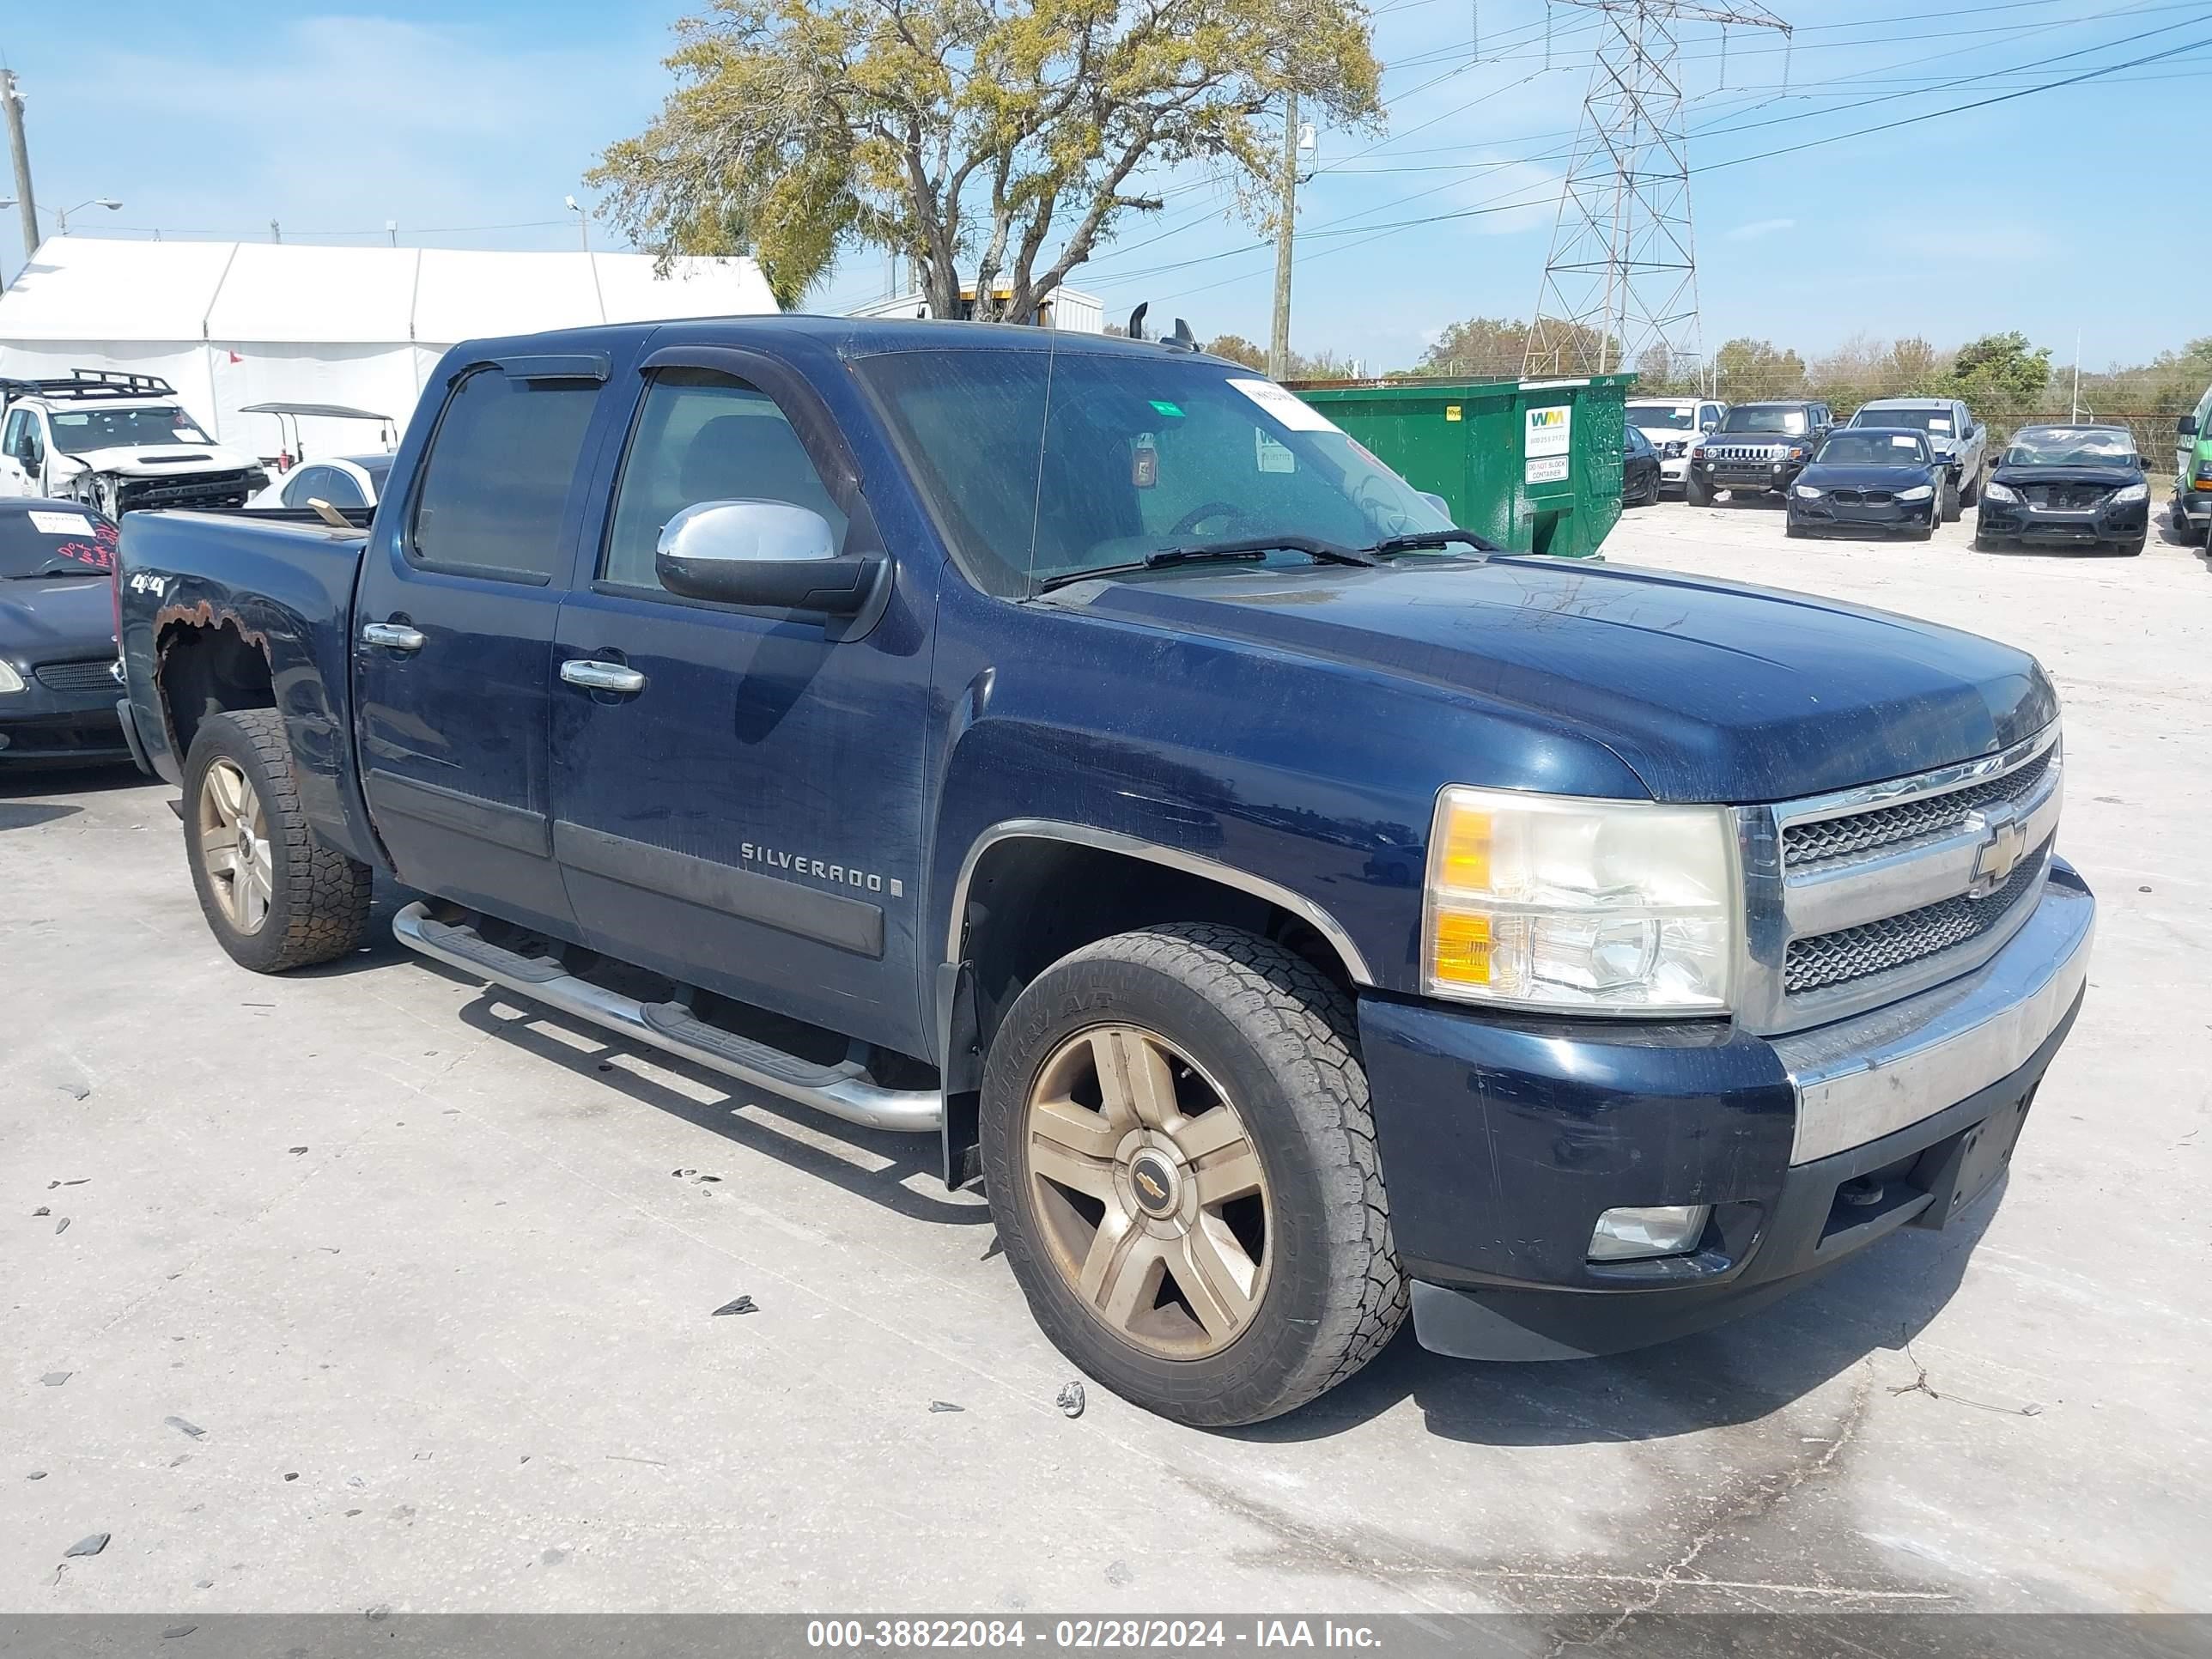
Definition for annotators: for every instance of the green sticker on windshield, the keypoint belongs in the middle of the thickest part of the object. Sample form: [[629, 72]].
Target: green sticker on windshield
[[1167, 408]]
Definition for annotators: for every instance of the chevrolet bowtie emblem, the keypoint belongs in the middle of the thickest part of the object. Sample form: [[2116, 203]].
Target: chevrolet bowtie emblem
[[2003, 842]]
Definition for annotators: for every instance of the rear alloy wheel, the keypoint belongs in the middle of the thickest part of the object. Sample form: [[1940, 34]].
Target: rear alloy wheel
[[275, 895], [234, 842], [1181, 1161]]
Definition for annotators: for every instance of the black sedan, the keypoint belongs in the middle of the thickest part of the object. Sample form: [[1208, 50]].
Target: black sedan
[[2066, 486], [57, 634], [1639, 470], [1869, 478]]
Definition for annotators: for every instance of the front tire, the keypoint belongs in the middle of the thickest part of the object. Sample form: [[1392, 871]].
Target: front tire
[[1946, 500], [1181, 1159], [274, 894], [1695, 491]]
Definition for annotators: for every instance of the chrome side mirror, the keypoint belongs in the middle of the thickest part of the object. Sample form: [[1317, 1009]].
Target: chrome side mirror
[[767, 553]]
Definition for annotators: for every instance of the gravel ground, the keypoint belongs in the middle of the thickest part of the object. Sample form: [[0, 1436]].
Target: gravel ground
[[382, 1290]]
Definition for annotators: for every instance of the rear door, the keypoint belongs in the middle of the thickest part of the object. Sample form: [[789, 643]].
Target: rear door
[[744, 813], [454, 621]]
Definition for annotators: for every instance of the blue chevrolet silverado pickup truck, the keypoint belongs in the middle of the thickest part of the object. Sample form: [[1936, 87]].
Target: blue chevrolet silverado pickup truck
[[1081, 750]]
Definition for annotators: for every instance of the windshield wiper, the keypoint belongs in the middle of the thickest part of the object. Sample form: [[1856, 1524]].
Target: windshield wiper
[[1248, 549], [1416, 539]]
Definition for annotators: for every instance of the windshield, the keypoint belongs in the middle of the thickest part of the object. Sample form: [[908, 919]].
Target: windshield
[[2060, 446], [1873, 449], [1041, 464], [1670, 418], [55, 541], [1935, 421], [1789, 420], [77, 431]]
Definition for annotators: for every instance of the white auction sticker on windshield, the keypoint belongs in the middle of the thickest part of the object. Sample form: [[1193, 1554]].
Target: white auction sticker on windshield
[[1939, 424], [61, 524], [1904, 443], [1298, 416]]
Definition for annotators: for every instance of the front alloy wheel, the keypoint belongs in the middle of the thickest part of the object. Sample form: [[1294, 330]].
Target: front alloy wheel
[[234, 843], [1180, 1154], [1152, 1201]]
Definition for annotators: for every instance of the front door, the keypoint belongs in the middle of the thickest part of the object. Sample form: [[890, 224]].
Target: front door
[[453, 656], [743, 811]]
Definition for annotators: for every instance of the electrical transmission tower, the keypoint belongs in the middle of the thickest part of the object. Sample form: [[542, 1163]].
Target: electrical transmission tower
[[1622, 276]]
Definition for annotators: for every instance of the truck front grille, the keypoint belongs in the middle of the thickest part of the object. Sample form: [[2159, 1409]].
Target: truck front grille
[[1761, 453], [1861, 898], [230, 487], [1836, 958], [1826, 840]]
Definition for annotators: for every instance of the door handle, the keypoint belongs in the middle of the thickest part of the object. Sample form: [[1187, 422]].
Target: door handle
[[601, 675], [393, 636]]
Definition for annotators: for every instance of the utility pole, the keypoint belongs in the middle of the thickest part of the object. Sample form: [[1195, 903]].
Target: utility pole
[[1279, 340], [11, 96], [1622, 276], [2074, 415], [276, 233]]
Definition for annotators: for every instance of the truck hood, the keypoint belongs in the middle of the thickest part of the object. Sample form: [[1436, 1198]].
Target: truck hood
[[56, 619], [163, 460], [1708, 692]]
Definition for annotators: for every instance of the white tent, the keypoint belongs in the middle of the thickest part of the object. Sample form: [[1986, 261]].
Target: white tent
[[230, 323]]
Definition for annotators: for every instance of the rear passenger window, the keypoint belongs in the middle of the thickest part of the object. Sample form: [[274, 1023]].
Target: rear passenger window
[[498, 475], [704, 437]]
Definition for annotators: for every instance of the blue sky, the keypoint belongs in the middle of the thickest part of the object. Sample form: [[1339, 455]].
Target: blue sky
[[2074, 209]]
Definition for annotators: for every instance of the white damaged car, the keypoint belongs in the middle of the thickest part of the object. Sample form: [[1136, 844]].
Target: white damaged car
[[116, 442]]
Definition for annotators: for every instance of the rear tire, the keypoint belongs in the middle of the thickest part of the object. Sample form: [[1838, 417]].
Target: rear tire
[[1134, 1047], [274, 894]]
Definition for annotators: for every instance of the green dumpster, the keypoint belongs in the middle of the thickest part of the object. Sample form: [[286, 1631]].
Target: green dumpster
[[1533, 464]]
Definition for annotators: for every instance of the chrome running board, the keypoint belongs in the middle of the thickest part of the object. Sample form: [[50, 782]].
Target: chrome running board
[[843, 1091]]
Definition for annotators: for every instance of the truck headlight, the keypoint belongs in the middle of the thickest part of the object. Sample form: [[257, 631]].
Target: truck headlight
[[1917, 492], [1994, 491], [10, 679], [1579, 906], [2134, 492]]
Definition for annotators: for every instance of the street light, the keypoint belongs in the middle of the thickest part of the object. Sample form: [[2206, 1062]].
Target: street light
[[583, 221], [108, 201]]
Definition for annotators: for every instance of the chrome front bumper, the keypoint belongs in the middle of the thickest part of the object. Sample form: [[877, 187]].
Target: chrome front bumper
[[1871, 1075]]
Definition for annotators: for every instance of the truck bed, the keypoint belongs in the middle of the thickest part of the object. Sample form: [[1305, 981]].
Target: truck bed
[[248, 592]]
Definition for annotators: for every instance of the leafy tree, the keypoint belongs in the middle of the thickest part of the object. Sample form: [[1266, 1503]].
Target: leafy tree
[[1478, 348], [1751, 370], [1999, 374], [978, 131], [1238, 350]]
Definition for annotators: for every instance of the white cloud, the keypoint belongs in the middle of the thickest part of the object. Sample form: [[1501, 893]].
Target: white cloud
[[1760, 227]]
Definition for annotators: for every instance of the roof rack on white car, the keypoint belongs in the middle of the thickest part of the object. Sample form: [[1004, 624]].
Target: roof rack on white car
[[91, 384]]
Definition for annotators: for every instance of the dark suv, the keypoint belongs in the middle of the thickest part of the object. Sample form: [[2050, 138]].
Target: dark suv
[[1758, 449]]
